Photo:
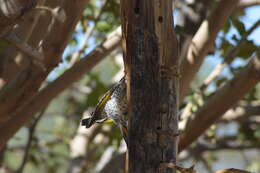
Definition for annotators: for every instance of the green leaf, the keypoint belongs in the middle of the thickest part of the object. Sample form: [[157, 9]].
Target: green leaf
[[226, 27], [73, 41], [239, 26], [247, 133], [247, 49], [103, 26], [34, 160], [225, 46], [234, 37]]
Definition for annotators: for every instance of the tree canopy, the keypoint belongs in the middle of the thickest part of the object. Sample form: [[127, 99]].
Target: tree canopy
[[57, 58]]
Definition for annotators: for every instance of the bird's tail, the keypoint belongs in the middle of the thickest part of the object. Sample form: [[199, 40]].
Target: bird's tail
[[87, 122]]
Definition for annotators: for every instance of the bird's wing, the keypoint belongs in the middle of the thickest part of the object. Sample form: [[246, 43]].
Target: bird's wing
[[97, 114], [102, 103]]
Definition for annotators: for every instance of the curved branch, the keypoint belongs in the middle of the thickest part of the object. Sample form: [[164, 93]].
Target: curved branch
[[53, 43], [202, 42], [232, 52], [221, 101], [43, 98], [246, 3]]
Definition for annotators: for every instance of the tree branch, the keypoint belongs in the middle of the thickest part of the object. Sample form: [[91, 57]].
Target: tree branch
[[221, 101], [242, 112], [29, 141], [232, 52], [88, 34], [246, 3], [11, 11], [43, 98], [202, 42], [27, 83], [223, 145], [37, 56], [13, 63]]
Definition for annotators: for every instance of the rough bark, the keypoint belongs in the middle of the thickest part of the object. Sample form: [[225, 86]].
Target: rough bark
[[149, 43]]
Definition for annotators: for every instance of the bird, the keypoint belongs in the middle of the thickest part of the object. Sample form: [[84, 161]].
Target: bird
[[113, 105]]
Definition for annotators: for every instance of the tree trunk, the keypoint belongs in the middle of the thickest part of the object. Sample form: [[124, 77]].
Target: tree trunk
[[151, 62]]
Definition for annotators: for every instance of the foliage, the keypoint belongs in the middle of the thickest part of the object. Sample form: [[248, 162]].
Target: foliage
[[51, 145]]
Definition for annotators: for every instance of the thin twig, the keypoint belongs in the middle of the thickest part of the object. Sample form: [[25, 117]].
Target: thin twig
[[57, 13], [88, 34], [97, 18], [2, 153], [205, 162], [34, 23], [20, 116], [229, 57], [29, 141]]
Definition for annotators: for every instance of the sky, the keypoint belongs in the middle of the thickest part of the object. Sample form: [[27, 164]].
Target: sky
[[251, 16]]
